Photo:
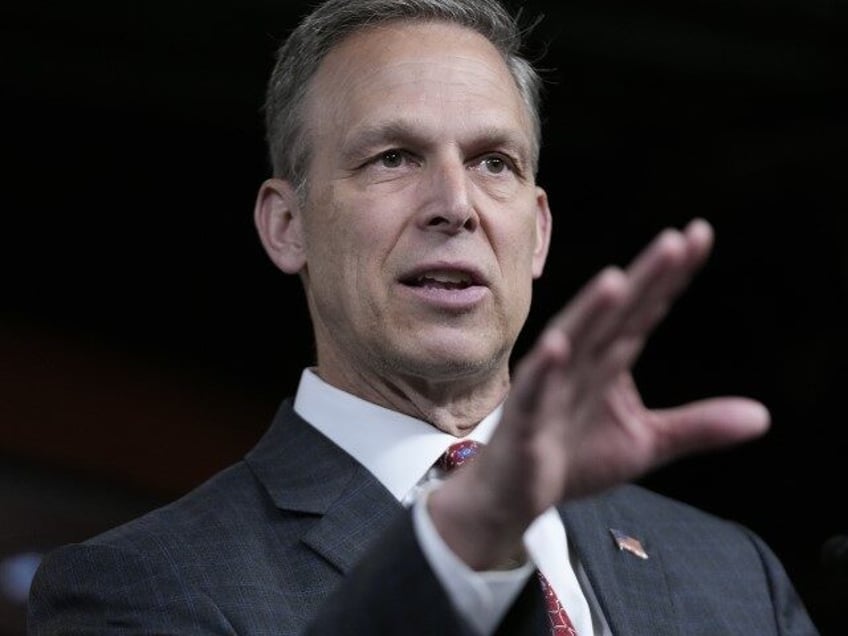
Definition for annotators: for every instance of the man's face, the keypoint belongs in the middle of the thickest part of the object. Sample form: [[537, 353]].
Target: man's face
[[423, 227]]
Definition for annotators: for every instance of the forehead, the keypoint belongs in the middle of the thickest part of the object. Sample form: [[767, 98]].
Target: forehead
[[413, 69]]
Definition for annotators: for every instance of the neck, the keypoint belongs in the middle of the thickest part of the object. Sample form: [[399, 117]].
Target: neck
[[454, 406]]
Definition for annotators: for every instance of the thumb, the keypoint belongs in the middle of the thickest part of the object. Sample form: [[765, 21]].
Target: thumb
[[711, 423]]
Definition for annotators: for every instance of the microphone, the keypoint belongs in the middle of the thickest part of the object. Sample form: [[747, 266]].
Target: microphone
[[834, 554]]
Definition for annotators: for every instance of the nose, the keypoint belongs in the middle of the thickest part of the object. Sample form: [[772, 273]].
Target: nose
[[448, 205]]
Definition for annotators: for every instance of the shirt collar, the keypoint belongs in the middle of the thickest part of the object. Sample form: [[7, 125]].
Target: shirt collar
[[396, 448]]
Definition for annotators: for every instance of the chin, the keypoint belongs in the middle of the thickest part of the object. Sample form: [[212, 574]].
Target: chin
[[451, 362]]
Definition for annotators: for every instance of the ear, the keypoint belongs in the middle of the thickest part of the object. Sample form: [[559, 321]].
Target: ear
[[543, 232], [278, 220]]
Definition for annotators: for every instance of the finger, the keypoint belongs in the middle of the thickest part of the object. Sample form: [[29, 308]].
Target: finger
[[602, 294], [700, 235], [639, 291], [556, 344], [655, 278], [682, 261], [608, 321], [658, 296], [618, 357], [552, 349], [708, 424]]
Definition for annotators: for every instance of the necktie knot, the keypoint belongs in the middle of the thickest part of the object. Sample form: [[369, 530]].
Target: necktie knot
[[458, 454]]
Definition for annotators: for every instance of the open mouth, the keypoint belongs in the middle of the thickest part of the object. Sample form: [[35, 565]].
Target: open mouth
[[442, 279]]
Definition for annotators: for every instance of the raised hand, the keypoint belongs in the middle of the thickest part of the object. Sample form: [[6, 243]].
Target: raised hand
[[574, 423]]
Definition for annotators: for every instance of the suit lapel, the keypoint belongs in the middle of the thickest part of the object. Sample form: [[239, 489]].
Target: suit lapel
[[305, 472], [633, 592], [361, 514]]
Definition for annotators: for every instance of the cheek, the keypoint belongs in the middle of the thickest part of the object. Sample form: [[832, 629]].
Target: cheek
[[514, 250], [517, 245], [348, 243]]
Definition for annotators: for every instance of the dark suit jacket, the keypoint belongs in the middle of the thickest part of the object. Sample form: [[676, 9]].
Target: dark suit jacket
[[300, 538]]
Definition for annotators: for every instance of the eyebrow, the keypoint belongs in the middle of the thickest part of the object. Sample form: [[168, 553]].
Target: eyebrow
[[390, 132], [406, 132]]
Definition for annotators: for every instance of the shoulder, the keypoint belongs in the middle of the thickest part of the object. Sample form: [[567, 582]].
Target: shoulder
[[642, 502], [139, 574], [203, 563], [224, 504], [718, 574], [219, 515], [678, 532], [229, 511], [688, 538]]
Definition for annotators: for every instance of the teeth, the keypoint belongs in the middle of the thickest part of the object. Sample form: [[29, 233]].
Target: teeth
[[449, 277]]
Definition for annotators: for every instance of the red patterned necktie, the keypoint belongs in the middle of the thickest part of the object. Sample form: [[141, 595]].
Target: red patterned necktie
[[454, 457]]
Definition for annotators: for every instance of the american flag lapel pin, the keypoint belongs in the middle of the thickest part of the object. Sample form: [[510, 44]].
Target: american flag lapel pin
[[626, 542]]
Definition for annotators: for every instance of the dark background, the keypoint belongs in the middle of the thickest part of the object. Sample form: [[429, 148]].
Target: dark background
[[144, 335]]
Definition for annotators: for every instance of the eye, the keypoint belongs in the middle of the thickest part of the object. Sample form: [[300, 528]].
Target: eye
[[497, 164], [389, 164], [494, 164], [391, 159]]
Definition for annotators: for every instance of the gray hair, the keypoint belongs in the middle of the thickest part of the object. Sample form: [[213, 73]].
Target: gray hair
[[304, 49]]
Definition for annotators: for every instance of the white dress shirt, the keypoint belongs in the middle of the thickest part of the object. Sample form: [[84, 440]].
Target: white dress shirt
[[399, 451]]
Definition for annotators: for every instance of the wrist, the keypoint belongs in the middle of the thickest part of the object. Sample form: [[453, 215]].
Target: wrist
[[483, 535]]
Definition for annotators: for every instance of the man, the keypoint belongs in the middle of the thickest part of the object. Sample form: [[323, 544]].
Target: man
[[405, 138]]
